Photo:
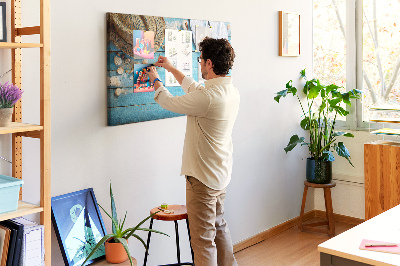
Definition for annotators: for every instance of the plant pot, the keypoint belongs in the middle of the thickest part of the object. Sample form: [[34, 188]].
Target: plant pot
[[6, 116], [319, 172], [115, 252]]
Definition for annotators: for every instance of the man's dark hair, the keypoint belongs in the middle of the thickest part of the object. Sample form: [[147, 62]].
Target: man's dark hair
[[220, 52]]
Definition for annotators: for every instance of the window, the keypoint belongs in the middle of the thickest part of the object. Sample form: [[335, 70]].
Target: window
[[363, 53]]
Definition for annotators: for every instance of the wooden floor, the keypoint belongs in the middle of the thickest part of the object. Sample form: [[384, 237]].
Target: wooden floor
[[290, 247]]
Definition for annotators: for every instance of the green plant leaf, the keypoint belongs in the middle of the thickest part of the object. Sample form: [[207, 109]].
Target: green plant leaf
[[346, 98], [303, 73], [280, 94], [152, 230], [126, 247], [122, 224], [140, 239], [137, 226], [115, 223], [327, 156], [331, 88], [349, 135], [101, 242], [294, 140], [343, 151], [113, 211], [305, 123], [314, 92]]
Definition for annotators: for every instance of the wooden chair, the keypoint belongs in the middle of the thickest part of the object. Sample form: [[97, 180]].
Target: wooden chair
[[311, 227], [180, 213]]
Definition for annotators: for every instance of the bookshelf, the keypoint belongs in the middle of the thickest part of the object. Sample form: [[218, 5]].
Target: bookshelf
[[40, 132]]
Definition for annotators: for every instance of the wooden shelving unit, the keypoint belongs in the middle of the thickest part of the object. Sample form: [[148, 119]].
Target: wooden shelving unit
[[42, 131]]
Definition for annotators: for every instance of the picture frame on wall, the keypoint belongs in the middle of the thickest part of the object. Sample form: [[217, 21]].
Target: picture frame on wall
[[289, 34], [78, 226], [3, 25]]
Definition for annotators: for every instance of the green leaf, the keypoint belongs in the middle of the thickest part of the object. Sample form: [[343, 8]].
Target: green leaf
[[346, 98], [126, 247], [313, 92], [137, 226], [115, 223], [305, 123], [331, 88], [333, 102], [349, 135], [343, 151], [140, 239], [294, 140], [152, 230], [338, 133], [102, 240], [122, 225], [280, 94], [303, 73], [113, 211], [327, 156]]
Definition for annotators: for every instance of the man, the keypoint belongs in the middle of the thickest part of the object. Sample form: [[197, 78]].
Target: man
[[207, 155]]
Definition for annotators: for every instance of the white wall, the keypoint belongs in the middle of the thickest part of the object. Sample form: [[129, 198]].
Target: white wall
[[143, 160]]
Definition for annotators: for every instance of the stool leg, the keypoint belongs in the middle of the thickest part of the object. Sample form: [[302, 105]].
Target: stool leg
[[148, 242], [303, 204], [329, 211], [190, 240], [178, 252]]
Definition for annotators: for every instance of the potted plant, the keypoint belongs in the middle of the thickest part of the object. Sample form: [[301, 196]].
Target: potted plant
[[116, 243], [324, 105], [9, 95]]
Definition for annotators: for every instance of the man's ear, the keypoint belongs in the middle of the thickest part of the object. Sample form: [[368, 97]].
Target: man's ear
[[209, 63]]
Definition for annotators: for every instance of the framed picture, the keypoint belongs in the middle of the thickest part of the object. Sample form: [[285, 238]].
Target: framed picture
[[289, 34], [3, 27], [78, 226]]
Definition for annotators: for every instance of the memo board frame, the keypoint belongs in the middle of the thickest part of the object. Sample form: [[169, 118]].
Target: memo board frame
[[124, 104], [289, 34]]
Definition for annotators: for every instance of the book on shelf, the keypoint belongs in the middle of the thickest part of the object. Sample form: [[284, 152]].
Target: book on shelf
[[15, 254], [32, 250], [11, 245], [5, 234]]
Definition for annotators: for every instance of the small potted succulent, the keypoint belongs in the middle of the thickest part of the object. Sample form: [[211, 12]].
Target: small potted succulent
[[116, 243], [9, 95]]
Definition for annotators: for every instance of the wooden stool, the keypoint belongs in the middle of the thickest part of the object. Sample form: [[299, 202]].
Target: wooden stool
[[328, 207], [180, 213]]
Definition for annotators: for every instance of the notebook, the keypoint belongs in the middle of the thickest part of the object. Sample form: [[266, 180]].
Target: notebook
[[18, 241], [11, 246], [391, 249], [4, 243]]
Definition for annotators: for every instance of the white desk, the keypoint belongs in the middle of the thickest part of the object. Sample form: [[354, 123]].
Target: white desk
[[344, 248]]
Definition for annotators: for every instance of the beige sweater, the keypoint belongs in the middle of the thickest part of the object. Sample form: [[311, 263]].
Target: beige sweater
[[211, 113]]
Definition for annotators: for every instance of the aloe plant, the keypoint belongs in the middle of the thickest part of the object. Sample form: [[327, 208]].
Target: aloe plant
[[320, 124], [119, 234]]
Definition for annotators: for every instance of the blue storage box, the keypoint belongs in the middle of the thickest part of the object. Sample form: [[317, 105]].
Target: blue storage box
[[9, 193]]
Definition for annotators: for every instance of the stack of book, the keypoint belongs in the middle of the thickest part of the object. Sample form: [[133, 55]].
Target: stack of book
[[21, 243]]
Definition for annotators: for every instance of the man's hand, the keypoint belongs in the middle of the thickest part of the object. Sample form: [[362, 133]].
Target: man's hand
[[152, 72], [165, 63]]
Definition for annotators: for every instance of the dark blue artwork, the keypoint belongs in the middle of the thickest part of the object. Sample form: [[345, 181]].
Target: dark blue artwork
[[125, 103], [78, 226]]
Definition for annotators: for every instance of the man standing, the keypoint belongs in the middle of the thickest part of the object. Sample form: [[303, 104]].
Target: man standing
[[207, 154]]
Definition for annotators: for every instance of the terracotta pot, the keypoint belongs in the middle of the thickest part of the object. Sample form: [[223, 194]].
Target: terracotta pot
[[115, 252], [5, 116]]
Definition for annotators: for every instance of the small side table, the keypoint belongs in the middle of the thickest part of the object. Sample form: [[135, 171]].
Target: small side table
[[311, 227], [105, 263]]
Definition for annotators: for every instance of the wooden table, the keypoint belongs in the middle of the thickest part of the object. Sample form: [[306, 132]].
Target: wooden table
[[344, 248], [105, 263]]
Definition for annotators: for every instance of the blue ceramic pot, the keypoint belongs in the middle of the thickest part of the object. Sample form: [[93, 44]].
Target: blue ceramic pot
[[319, 172]]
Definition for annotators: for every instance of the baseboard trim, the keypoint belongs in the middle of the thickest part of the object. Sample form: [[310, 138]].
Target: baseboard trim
[[340, 218], [289, 224]]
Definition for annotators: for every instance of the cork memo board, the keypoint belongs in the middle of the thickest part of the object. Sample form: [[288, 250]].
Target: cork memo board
[[135, 42]]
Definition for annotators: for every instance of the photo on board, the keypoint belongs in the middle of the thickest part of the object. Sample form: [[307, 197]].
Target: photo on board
[[141, 81], [144, 44]]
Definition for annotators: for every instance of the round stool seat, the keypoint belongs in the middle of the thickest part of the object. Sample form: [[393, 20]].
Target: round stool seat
[[180, 213], [308, 184]]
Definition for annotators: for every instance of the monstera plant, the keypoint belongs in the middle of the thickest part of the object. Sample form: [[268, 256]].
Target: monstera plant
[[324, 103]]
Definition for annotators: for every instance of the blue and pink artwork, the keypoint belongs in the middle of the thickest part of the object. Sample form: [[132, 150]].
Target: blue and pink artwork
[[141, 81], [144, 44]]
